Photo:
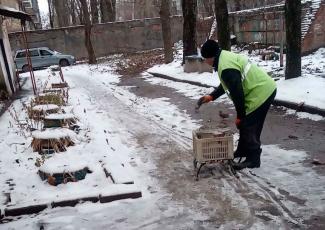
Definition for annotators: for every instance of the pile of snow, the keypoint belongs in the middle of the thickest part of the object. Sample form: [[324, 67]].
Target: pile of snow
[[304, 89], [63, 162], [45, 107], [53, 133], [60, 116]]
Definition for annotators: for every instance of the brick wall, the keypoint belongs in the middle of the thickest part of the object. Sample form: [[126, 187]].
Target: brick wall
[[315, 37]]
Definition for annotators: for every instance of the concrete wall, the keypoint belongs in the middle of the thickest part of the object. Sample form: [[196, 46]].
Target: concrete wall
[[315, 37], [107, 38]]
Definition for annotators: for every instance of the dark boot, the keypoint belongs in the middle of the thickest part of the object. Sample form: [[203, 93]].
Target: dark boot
[[246, 164], [253, 161]]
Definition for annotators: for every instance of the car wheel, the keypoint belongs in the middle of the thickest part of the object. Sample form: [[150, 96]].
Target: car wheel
[[64, 62], [25, 69]]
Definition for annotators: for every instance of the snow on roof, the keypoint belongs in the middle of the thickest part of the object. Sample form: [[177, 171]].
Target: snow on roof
[[45, 107], [310, 16], [259, 9], [53, 133], [60, 116], [13, 13]]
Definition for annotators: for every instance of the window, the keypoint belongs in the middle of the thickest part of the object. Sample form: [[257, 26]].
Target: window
[[21, 55], [27, 4], [45, 53], [33, 53]]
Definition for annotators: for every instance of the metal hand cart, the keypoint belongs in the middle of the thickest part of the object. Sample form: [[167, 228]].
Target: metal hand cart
[[212, 146]]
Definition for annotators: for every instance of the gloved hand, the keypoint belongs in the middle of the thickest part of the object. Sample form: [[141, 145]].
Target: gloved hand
[[203, 100], [238, 123]]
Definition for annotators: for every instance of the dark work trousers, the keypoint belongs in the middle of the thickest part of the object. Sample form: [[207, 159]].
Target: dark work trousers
[[250, 130]]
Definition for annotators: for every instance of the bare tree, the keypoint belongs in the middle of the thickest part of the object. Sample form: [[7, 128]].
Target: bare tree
[[293, 37], [208, 6], [108, 10], [51, 13], [111, 10], [79, 12], [61, 12], [94, 11], [222, 24], [73, 11], [89, 46], [189, 27], [237, 5], [166, 30]]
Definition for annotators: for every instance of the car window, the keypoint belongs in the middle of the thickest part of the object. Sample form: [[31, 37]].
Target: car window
[[21, 54], [33, 53], [45, 53]]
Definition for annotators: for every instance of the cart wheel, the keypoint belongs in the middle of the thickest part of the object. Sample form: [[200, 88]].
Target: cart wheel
[[195, 163]]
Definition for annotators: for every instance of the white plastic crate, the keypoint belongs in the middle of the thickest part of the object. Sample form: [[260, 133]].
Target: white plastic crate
[[212, 145]]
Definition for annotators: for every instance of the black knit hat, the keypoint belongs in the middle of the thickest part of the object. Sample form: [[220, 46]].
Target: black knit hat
[[209, 49]]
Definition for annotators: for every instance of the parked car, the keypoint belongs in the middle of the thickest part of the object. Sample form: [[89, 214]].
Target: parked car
[[42, 57]]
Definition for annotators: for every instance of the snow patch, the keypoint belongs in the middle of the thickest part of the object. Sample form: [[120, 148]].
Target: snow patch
[[53, 133]]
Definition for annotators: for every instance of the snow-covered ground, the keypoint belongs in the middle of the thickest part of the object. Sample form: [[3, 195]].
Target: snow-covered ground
[[306, 89], [129, 135]]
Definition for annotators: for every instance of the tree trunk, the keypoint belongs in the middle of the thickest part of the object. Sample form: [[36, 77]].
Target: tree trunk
[[80, 12], [61, 13], [139, 9], [237, 5], [50, 5], [222, 24], [94, 11], [111, 4], [89, 46], [208, 7], [73, 12], [293, 37], [189, 28], [108, 10], [103, 11], [166, 30]]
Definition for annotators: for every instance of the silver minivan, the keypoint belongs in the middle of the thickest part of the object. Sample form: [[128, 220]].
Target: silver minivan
[[42, 57]]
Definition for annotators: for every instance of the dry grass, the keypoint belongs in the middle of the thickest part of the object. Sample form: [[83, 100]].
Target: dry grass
[[56, 145], [50, 98], [136, 63], [39, 115]]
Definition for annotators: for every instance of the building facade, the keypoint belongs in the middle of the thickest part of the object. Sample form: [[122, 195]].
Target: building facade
[[7, 66], [28, 6]]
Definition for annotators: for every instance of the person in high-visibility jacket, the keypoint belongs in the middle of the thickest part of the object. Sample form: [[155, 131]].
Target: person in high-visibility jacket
[[252, 91]]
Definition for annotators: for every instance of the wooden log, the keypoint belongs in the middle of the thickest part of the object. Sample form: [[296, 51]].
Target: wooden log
[[25, 210], [59, 85], [110, 198]]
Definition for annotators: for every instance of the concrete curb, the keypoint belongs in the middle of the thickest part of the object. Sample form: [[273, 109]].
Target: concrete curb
[[290, 105]]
